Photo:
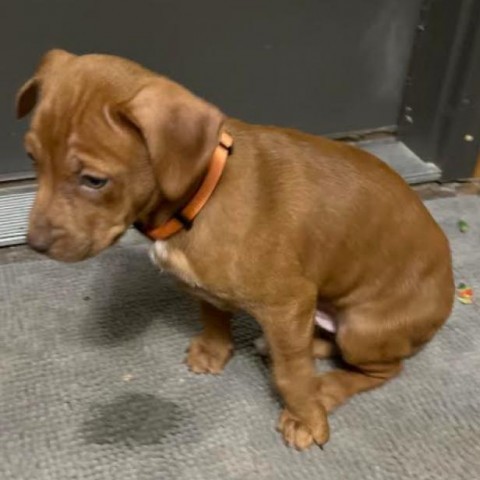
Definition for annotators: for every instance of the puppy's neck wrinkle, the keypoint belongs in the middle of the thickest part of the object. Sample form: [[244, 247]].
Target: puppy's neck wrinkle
[[164, 209]]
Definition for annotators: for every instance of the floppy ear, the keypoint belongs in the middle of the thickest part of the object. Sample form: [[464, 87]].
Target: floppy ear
[[27, 96], [180, 130]]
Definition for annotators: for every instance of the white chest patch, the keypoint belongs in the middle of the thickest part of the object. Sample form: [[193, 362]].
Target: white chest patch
[[173, 261], [159, 253]]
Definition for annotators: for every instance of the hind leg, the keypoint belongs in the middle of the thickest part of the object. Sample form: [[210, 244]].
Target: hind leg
[[338, 386], [373, 350]]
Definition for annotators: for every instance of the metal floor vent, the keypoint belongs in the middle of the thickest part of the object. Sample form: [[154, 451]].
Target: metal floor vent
[[15, 203]]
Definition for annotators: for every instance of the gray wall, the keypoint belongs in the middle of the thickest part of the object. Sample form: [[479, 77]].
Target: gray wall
[[324, 66]]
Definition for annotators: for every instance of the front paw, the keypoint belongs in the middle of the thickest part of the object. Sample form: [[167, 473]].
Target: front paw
[[207, 355], [300, 434]]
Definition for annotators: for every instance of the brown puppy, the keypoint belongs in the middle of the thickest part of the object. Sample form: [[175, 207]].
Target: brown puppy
[[295, 222]]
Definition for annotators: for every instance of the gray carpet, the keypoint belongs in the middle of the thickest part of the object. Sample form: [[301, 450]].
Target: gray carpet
[[93, 386]]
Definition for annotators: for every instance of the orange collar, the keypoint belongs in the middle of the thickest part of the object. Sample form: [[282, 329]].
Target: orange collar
[[184, 217]]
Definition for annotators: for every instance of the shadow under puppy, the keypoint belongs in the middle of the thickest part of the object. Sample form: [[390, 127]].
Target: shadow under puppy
[[287, 226]]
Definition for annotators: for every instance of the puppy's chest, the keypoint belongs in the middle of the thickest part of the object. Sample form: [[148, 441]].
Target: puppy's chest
[[175, 262]]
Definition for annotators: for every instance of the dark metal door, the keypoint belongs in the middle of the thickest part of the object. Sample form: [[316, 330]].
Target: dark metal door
[[323, 66]]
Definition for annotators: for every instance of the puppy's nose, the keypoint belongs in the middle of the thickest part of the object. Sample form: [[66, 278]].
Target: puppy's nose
[[40, 239]]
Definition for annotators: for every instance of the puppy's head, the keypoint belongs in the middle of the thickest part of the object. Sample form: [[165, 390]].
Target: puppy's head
[[110, 141]]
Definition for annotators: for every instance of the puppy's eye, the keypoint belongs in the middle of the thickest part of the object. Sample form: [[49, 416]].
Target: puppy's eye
[[91, 181]]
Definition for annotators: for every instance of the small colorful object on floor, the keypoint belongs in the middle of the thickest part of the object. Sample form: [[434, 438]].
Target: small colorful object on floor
[[463, 226], [464, 294]]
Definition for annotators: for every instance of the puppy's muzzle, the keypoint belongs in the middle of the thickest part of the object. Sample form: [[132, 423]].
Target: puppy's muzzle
[[40, 236]]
